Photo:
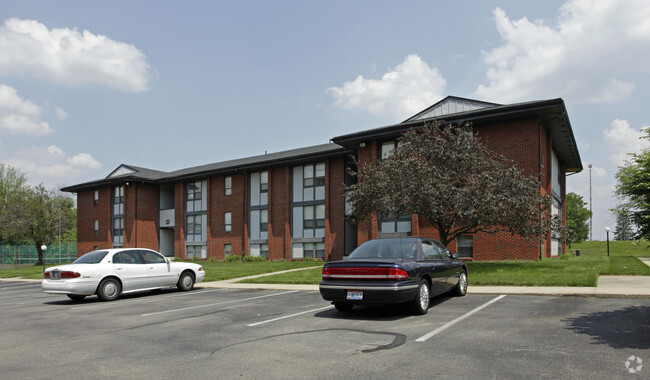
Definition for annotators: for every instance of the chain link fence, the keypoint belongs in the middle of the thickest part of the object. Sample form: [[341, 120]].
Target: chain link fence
[[13, 256]]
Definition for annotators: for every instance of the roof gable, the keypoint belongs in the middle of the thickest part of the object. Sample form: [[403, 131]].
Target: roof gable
[[449, 106], [122, 170]]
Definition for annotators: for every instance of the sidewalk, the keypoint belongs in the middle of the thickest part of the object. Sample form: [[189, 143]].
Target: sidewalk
[[608, 286]]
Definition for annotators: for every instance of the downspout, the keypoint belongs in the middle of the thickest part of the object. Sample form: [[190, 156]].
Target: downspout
[[136, 215], [539, 167]]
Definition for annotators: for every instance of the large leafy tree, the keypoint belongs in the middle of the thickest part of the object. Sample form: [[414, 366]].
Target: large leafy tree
[[634, 187], [446, 175], [577, 216], [13, 191], [32, 215]]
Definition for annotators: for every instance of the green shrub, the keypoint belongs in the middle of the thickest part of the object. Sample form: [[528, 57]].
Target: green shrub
[[231, 258], [252, 258]]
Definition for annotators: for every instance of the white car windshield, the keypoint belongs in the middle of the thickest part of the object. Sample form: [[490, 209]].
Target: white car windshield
[[93, 257]]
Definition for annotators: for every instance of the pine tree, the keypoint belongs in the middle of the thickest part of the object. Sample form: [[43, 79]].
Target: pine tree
[[624, 228]]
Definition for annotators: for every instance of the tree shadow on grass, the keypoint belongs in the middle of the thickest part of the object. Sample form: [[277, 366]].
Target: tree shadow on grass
[[625, 328]]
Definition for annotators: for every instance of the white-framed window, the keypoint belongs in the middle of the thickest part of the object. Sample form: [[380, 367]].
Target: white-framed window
[[196, 251], [227, 221], [386, 148], [96, 227], [96, 197], [228, 185], [227, 250]]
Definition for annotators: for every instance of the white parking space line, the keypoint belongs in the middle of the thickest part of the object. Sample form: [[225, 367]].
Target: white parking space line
[[426, 337], [289, 316], [217, 303], [122, 302]]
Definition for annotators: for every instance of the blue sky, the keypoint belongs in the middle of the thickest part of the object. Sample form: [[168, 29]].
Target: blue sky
[[87, 86]]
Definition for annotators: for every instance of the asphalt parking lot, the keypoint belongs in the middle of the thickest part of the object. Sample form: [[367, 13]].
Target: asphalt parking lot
[[239, 333]]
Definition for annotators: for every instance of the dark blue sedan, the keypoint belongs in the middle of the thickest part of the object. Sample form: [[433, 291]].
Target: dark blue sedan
[[394, 270]]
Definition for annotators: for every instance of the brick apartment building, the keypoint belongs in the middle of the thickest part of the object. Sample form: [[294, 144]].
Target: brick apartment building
[[289, 205]]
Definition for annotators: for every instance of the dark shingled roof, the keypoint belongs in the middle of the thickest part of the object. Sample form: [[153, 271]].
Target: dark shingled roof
[[552, 114], [139, 174]]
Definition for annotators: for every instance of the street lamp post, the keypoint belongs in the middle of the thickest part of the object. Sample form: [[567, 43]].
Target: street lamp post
[[591, 237], [43, 248], [607, 230]]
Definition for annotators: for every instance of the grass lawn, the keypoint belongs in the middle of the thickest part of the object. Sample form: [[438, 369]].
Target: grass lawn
[[214, 270], [567, 270]]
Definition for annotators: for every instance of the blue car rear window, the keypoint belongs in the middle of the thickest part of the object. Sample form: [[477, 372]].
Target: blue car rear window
[[93, 257]]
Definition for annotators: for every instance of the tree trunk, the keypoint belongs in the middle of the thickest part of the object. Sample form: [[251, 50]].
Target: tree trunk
[[40, 255]]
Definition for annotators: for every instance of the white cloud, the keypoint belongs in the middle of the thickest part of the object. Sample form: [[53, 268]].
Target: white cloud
[[401, 92], [66, 56], [52, 165], [594, 44], [60, 112], [18, 116], [622, 140]]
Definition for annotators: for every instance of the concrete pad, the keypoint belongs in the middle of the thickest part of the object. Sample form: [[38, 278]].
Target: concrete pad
[[624, 286], [533, 290]]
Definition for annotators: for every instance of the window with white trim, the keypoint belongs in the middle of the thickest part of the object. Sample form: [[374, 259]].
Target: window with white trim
[[227, 221], [228, 185]]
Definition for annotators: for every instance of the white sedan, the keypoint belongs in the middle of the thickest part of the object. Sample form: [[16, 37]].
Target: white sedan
[[111, 272]]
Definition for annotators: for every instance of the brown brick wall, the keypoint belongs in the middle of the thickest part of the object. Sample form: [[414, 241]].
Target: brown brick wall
[[219, 204], [87, 213]]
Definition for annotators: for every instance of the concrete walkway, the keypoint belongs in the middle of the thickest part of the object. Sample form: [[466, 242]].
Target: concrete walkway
[[608, 286]]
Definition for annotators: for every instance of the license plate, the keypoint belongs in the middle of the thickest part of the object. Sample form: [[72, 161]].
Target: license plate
[[55, 275], [355, 295]]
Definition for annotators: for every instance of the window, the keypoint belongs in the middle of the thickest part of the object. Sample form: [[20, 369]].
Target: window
[[314, 220], [195, 251], [118, 216], [260, 250], [315, 250], [196, 200], [152, 257], [196, 219], [194, 229], [96, 199], [392, 225], [313, 182], [228, 185], [118, 200], [264, 220], [259, 188], [430, 251], [227, 250], [118, 232], [259, 214], [127, 257], [227, 220], [466, 246], [387, 148], [96, 227]]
